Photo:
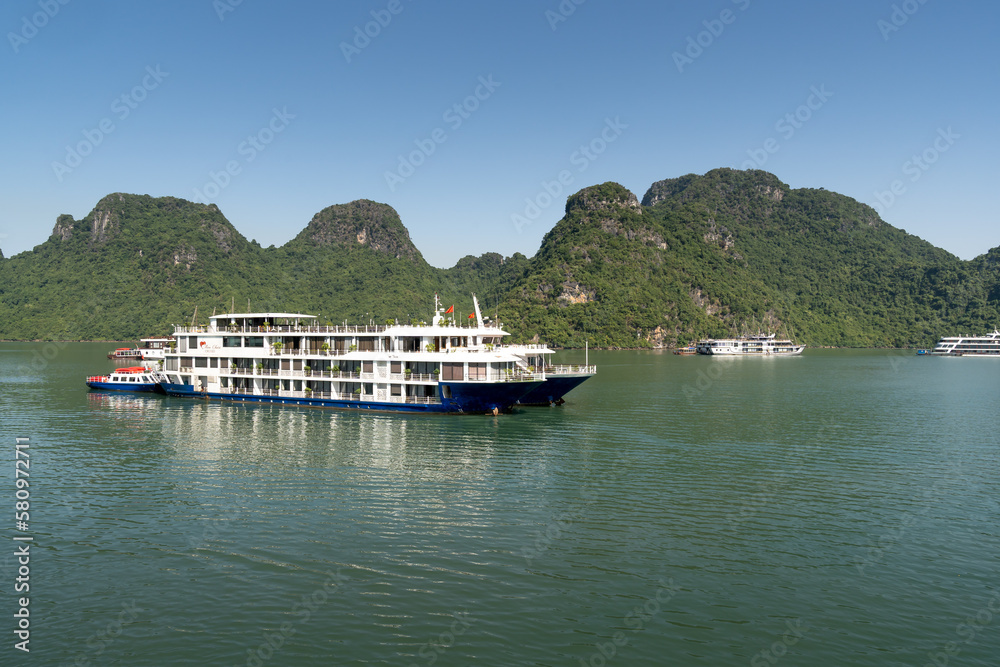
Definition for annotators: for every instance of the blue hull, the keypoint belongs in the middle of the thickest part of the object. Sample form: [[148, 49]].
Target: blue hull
[[126, 386], [551, 391], [477, 397], [464, 397]]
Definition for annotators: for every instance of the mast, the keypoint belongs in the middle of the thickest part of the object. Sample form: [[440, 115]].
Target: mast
[[479, 315], [436, 320]]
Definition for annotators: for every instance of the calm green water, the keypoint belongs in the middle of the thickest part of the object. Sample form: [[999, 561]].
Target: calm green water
[[840, 508]]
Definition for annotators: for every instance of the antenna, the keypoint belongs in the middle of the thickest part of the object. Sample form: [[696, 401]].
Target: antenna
[[479, 315]]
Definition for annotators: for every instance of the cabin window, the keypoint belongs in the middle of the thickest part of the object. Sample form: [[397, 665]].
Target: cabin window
[[366, 366], [171, 364], [232, 341], [201, 362], [452, 371], [395, 366], [395, 390], [366, 344], [214, 362], [253, 341], [477, 371], [408, 344]]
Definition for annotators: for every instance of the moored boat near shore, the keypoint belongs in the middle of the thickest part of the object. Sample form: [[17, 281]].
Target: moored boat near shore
[[125, 353], [760, 345], [987, 345]]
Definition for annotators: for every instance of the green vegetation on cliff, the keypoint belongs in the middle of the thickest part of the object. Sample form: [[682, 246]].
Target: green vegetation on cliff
[[718, 254], [700, 256]]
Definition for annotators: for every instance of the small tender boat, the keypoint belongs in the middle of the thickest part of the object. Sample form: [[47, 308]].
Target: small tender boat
[[134, 378], [690, 349]]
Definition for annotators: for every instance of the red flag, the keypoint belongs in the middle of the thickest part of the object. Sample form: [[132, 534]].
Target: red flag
[[471, 315], [451, 309]]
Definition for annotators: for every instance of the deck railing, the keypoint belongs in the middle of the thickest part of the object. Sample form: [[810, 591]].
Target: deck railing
[[336, 396], [339, 329], [569, 368]]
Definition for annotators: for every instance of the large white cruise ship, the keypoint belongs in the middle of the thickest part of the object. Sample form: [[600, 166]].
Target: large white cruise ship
[[969, 346], [289, 358], [761, 345]]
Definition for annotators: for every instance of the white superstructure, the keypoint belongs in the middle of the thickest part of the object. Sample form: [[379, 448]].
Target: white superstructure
[[761, 345], [969, 346]]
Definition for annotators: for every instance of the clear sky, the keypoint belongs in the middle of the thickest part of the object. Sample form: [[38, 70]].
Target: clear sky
[[465, 116]]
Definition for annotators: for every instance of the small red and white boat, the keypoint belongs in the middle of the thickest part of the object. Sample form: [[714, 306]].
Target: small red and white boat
[[134, 378]]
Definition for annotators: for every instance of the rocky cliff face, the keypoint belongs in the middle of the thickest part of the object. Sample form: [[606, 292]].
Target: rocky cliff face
[[361, 223], [722, 185], [135, 221], [605, 197]]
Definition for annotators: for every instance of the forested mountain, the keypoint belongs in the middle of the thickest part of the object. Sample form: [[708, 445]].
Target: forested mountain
[[734, 250], [700, 255]]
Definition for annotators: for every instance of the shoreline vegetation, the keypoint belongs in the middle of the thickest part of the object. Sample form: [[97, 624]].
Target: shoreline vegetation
[[700, 256]]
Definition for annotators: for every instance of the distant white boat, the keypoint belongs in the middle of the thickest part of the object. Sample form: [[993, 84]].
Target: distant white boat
[[154, 349], [969, 346], [761, 345]]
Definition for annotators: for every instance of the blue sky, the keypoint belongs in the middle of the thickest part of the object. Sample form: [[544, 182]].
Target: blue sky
[[475, 120]]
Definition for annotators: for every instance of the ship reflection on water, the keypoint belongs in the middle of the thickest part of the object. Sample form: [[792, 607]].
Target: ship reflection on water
[[440, 447]]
